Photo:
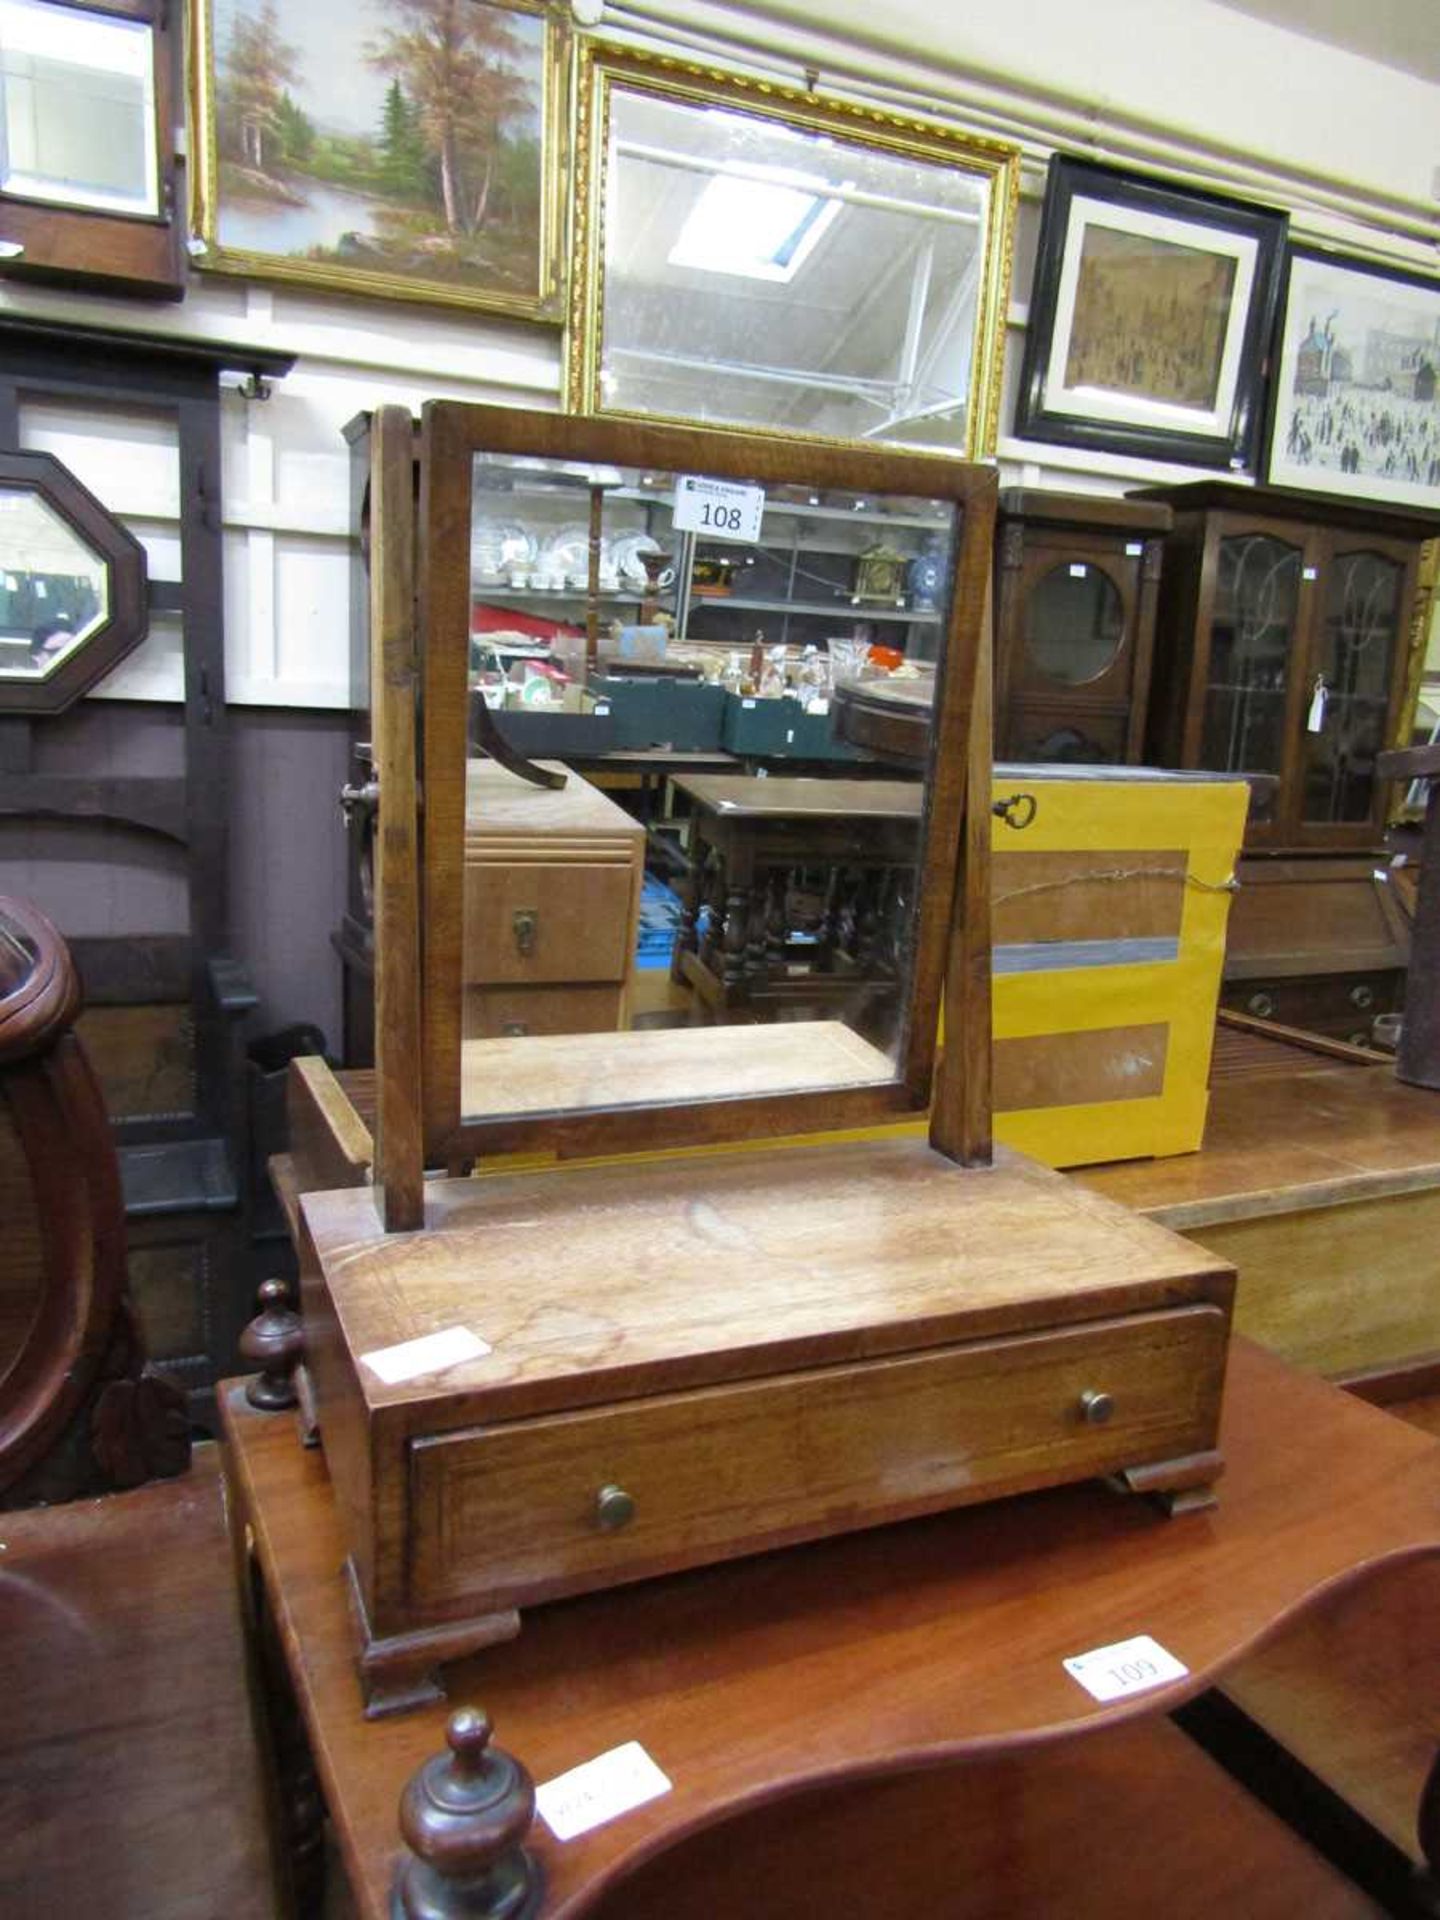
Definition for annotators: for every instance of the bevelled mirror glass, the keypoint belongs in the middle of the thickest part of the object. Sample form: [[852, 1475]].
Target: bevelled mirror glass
[[706, 899], [758, 258], [72, 586], [77, 110]]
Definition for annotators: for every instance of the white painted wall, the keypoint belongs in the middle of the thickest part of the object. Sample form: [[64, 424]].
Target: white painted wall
[[1184, 75]]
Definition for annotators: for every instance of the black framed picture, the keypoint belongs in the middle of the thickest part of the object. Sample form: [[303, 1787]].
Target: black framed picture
[[1356, 394], [1149, 318]]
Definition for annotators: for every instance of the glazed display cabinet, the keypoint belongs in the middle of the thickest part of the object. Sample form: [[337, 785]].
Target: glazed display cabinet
[[1283, 648]]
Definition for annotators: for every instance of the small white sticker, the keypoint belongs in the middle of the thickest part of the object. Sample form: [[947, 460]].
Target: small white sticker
[[1133, 549], [721, 509], [430, 1354], [1078, 570], [601, 710], [747, 704], [587, 1796], [1130, 1666], [1309, 573]]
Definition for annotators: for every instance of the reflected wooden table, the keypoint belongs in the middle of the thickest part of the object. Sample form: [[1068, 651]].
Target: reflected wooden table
[[751, 837], [881, 1724]]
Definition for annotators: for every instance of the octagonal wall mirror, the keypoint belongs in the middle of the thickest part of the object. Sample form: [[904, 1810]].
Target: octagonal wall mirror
[[72, 586], [759, 258]]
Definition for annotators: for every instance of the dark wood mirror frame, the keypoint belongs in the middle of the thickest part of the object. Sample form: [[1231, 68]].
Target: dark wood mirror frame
[[142, 255], [951, 951], [127, 618], [79, 1410]]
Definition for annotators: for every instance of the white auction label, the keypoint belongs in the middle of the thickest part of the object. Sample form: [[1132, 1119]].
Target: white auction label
[[602, 1789], [722, 509], [432, 1353], [1130, 1666]]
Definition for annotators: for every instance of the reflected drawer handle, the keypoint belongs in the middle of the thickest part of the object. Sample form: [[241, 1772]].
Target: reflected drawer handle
[[614, 1509], [1095, 1407], [1362, 997], [526, 923], [1262, 1005]]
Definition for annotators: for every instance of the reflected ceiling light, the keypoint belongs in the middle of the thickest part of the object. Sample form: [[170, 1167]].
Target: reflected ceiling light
[[761, 229]]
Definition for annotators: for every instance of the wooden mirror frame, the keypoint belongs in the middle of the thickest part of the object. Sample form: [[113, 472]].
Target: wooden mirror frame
[[127, 618], [951, 948], [137, 254]]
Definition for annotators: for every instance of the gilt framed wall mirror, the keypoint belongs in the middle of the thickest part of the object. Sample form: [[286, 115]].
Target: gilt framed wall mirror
[[72, 586], [811, 958], [756, 257]]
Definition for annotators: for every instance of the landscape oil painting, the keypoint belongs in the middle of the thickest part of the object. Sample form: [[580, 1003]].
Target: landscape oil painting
[[404, 147]]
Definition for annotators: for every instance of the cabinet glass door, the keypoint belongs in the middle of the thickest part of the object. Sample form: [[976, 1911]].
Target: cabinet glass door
[[1352, 671], [1253, 632]]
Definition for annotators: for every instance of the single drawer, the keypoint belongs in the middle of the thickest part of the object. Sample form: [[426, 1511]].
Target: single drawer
[[528, 1510], [547, 921], [492, 1013]]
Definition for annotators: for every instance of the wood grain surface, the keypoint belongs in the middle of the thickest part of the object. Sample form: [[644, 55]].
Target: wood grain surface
[[129, 1778], [910, 1647], [543, 1073], [610, 1281]]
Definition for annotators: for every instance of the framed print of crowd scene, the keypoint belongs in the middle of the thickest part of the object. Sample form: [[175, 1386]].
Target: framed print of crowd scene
[[1356, 405], [402, 147], [1149, 316]]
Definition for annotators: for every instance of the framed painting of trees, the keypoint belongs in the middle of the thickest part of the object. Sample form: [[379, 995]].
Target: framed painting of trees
[[408, 148]]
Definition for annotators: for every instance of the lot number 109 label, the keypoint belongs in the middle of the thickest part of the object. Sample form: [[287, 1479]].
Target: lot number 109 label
[[1129, 1666], [719, 509]]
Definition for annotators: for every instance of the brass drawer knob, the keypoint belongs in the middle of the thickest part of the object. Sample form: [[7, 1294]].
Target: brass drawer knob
[[614, 1509], [1095, 1407]]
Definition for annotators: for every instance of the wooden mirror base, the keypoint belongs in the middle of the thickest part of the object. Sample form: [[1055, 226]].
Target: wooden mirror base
[[400, 1671]]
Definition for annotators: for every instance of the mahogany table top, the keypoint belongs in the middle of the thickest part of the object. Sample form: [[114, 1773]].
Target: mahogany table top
[[935, 1640]]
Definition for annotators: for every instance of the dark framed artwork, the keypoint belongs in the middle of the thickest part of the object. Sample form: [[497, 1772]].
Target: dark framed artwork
[[1149, 318], [1356, 395]]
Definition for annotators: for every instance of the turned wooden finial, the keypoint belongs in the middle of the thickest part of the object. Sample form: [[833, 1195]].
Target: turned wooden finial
[[463, 1817], [274, 1342]]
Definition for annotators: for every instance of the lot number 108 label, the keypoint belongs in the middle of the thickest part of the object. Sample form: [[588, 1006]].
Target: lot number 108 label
[[719, 509]]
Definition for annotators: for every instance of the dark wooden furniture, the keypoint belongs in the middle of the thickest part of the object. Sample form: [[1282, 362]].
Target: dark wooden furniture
[[73, 245], [1076, 581], [123, 1669], [1284, 640], [80, 1412], [808, 1707], [805, 887], [1418, 1057], [1283, 643], [162, 1009]]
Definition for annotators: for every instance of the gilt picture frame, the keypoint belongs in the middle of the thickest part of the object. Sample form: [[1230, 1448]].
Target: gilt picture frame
[[405, 149], [905, 227], [1356, 395], [1150, 315]]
